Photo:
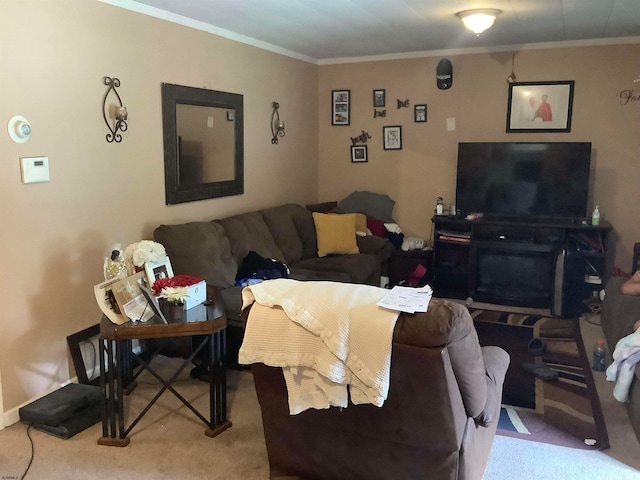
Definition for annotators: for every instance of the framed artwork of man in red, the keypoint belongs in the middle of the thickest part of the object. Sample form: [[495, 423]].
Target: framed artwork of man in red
[[540, 106]]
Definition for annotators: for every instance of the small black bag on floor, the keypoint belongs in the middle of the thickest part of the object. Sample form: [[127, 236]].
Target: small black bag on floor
[[65, 412]]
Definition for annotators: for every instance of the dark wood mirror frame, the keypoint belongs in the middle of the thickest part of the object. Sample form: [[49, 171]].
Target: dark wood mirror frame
[[173, 95]]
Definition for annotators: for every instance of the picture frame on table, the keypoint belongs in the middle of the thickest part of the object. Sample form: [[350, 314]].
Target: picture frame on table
[[158, 269], [392, 137], [359, 154], [540, 106], [340, 107], [420, 113], [379, 98]]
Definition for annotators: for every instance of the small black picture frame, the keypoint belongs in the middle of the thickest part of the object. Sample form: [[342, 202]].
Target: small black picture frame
[[76, 341], [340, 107], [379, 98], [392, 137], [359, 154], [420, 113]]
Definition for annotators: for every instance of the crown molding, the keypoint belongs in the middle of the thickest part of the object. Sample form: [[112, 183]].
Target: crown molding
[[191, 23]]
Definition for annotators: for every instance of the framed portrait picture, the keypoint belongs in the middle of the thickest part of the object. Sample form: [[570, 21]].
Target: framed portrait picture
[[540, 106], [359, 154], [392, 137], [419, 113], [159, 269], [340, 107], [379, 98]]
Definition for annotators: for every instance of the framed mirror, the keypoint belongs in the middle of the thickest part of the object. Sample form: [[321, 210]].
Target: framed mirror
[[203, 143]]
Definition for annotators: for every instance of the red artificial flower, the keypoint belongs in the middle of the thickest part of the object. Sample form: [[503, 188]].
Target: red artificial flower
[[177, 281]]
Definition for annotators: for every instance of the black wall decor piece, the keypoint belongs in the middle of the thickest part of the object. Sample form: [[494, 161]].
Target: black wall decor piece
[[444, 74]]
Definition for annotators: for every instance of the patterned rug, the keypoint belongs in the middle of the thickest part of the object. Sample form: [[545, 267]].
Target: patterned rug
[[563, 412]]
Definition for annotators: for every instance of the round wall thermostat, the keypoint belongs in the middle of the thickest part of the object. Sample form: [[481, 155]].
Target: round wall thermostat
[[19, 129]]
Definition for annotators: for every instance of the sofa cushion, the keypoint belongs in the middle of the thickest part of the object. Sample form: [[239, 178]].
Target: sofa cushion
[[283, 228], [336, 233], [361, 267], [199, 248], [249, 232]]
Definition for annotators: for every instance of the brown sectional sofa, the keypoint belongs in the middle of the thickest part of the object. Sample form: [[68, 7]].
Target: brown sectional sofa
[[619, 313], [215, 249], [438, 422]]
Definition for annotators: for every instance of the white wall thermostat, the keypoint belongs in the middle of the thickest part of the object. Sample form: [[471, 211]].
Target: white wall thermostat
[[34, 169]]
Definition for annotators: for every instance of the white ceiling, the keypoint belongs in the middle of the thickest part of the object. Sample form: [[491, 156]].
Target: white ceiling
[[325, 30]]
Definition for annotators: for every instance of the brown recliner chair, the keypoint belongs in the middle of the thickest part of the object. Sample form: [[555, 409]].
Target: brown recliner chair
[[438, 422]]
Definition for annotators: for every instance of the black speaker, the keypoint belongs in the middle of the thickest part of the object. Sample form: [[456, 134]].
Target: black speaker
[[568, 292], [444, 74], [636, 258]]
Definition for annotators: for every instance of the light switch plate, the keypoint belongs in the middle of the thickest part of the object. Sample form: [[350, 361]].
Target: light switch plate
[[451, 124], [34, 169]]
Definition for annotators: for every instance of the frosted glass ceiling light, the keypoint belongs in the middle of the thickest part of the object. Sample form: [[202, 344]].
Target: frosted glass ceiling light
[[478, 20]]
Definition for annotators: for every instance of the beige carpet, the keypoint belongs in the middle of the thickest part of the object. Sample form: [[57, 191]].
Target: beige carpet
[[168, 443]]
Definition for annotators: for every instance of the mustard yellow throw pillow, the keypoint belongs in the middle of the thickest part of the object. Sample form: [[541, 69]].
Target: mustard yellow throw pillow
[[336, 233]]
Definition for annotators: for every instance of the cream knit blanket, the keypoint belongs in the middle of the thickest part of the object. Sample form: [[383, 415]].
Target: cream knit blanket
[[326, 336]]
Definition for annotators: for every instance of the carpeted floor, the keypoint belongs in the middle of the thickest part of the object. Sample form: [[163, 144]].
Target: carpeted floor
[[563, 412]]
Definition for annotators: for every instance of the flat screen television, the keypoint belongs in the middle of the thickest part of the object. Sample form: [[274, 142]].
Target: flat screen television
[[537, 179]]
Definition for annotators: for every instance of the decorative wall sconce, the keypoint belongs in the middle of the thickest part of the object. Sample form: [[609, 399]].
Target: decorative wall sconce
[[116, 112], [19, 129], [277, 125]]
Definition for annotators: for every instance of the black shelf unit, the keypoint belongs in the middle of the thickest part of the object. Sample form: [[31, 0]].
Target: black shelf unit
[[543, 263]]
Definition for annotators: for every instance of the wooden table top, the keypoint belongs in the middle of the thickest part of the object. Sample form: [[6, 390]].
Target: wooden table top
[[202, 319]]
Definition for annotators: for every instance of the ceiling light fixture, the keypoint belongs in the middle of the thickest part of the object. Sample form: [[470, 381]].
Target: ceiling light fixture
[[478, 20]]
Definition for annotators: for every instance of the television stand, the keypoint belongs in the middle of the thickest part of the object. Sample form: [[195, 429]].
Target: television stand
[[541, 263]]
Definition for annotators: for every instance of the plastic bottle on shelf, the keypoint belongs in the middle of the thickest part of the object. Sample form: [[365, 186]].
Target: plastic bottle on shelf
[[595, 217], [599, 355]]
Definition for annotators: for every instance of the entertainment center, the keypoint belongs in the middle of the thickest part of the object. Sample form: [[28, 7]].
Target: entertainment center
[[530, 244]]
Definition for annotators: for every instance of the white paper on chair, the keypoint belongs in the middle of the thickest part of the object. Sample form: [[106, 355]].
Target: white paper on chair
[[407, 299]]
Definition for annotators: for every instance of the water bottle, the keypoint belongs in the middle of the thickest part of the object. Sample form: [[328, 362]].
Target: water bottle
[[595, 217], [599, 356]]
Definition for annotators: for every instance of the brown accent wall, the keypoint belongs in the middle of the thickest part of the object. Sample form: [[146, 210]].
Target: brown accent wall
[[425, 168]]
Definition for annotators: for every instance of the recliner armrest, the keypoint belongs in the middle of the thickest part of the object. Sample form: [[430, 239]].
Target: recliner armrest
[[496, 362]]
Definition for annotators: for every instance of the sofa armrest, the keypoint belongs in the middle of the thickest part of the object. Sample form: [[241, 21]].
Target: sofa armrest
[[496, 362], [379, 246], [619, 312]]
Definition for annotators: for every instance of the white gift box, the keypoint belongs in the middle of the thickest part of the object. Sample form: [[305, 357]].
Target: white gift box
[[197, 294]]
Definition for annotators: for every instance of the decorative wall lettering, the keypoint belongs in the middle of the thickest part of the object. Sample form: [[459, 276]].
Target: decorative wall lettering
[[363, 137], [379, 113], [404, 104], [628, 96]]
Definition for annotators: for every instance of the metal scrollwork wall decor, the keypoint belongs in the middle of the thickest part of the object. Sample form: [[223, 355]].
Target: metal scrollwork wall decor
[[277, 125], [119, 113]]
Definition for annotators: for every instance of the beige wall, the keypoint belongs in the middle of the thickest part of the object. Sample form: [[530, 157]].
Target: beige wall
[[425, 168], [54, 235]]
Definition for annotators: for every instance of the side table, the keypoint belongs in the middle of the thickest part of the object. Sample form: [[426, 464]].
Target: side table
[[403, 263], [207, 321]]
